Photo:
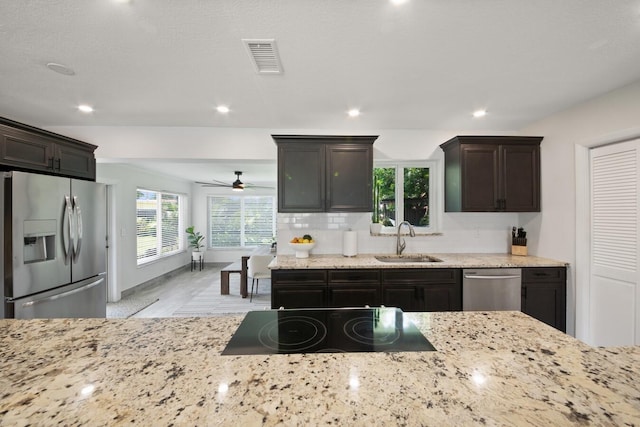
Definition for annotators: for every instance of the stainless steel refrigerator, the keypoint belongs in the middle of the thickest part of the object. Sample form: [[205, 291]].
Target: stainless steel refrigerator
[[53, 247]]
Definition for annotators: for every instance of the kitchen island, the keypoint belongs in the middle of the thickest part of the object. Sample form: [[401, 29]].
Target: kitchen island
[[490, 368]]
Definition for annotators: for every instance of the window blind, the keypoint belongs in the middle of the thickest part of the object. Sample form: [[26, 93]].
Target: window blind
[[158, 225], [239, 221], [224, 221]]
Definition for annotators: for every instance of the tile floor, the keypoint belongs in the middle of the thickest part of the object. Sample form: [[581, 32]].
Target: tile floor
[[187, 286]]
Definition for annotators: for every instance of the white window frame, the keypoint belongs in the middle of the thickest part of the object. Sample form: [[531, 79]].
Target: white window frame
[[242, 222], [182, 201], [435, 192]]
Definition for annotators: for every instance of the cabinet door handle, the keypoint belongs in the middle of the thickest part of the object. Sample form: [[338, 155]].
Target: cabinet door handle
[[58, 163]]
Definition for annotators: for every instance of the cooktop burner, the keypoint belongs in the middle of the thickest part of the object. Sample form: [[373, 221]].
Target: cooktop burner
[[331, 330]]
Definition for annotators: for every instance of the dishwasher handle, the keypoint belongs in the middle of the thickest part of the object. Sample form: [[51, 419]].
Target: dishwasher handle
[[485, 277]]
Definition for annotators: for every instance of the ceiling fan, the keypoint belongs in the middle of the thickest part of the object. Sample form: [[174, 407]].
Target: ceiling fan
[[236, 185]]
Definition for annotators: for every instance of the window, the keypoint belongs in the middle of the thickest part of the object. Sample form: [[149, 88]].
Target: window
[[241, 221], [404, 192], [158, 225]]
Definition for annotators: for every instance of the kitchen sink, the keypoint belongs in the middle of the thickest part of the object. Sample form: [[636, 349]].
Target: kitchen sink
[[409, 258]]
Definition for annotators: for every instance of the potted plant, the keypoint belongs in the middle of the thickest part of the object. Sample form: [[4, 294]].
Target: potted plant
[[196, 241]]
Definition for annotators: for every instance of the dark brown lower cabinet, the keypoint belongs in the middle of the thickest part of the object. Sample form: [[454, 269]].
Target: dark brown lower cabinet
[[422, 289], [299, 296], [427, 289], [298, 288], [354, 288], [408, 289], [544, 295]]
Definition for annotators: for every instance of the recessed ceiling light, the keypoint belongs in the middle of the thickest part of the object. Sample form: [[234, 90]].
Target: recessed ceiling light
[[399, 2], [354, 112], [60, 69], [222, 109], [479, 113], [85, 108]]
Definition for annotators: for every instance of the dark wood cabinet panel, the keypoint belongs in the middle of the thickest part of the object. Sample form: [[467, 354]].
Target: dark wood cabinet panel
[[480, 178], [354, 288], [544, 295], [349, 178], [353, 295], [71, 161], [492, 174], [404, 297], [354, 276], [521, 177], [301, 183], [442, 297], [422, 289], [28, 149], [298, 288], [320, 173], [301, 296]]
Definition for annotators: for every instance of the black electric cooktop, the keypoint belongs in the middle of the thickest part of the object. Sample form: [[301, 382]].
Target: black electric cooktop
[[332, 330]]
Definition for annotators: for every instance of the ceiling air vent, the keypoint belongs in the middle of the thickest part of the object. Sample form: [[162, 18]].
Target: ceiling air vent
[[264, 55]]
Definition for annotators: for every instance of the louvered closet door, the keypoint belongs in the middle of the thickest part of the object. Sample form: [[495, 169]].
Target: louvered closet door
[[614, 295]]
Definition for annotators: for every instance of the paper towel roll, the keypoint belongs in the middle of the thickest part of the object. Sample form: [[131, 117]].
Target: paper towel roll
[[350, 243]]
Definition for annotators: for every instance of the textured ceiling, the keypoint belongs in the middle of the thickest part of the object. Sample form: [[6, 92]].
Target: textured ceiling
[[426, 64]]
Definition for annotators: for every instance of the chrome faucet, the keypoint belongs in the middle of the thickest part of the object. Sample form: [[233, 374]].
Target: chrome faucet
[[400, 246]]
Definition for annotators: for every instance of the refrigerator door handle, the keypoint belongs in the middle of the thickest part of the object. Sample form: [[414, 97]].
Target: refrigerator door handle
[[66, 229], [62, 295], [78, 217]]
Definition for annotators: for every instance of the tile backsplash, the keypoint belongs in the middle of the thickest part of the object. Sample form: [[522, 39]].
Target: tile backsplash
[[461, 232]]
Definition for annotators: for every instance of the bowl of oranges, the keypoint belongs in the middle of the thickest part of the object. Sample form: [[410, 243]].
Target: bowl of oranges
[[302, 245]]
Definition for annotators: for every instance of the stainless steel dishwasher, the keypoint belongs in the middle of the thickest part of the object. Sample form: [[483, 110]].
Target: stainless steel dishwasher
[[486, 289]]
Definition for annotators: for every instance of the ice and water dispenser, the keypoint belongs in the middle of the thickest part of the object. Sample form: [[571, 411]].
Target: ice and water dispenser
[[39, 240]]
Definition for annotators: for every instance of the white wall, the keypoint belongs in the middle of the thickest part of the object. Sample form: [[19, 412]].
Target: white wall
[[605, 119], [124, 181]]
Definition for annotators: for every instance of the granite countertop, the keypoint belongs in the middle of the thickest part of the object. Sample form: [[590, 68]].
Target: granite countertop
[[453, 260], [493, 368]]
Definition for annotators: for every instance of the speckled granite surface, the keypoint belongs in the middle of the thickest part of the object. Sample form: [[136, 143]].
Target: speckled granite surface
[[455, 260], [498, 368]]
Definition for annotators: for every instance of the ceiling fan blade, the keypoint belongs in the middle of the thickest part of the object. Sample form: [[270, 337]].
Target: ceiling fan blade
[[212, 184], [215, 181], [258, 186]]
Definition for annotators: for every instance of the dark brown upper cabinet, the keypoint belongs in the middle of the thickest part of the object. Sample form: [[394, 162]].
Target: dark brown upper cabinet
[[29, 149], [492, 174], [325, 173]]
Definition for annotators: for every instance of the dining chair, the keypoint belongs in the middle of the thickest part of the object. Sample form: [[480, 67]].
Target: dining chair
[[257, 269]]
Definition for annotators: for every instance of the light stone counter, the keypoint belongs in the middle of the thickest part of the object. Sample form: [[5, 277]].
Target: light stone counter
[[496, 368], [454, 260]]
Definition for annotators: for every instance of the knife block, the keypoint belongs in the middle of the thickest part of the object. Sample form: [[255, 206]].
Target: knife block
[[518, 250]]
